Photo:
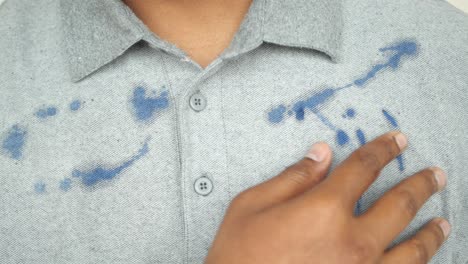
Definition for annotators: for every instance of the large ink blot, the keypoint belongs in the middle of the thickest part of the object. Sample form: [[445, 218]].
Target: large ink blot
[[146, 106], [13, 143], [99, 174]]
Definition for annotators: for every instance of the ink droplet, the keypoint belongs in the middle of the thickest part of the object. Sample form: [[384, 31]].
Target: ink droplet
[[342, 137], [14, 142], [46, 112], [75, 105], [350, 113], [65, 184], [145, 107], [40, 187], [276, 115], [361, 137]]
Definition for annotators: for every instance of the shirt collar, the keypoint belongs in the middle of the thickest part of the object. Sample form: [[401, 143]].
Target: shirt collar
[[98, 31], [95, 32], [313, 24]]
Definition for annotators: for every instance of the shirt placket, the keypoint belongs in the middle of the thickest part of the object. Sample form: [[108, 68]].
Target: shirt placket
[[202, 159]]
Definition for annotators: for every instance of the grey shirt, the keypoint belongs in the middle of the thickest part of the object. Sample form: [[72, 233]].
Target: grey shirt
[[118, 148]]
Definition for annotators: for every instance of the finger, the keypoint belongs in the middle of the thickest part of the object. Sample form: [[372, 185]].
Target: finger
[[420, 248], [294, 180], [354, 175], [390, 215]]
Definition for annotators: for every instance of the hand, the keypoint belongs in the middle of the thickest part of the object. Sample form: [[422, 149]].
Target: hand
[[300, 216]]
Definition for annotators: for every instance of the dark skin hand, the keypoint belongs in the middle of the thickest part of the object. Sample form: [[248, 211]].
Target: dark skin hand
[[301, 216]]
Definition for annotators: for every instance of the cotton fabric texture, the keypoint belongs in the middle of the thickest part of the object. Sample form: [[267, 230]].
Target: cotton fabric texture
[[100, 149]]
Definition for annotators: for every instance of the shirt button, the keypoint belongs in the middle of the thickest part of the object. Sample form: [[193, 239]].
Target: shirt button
[[197, 102], [203, 186]]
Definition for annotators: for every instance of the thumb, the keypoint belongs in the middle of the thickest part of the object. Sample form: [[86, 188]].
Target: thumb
[[294, 180]]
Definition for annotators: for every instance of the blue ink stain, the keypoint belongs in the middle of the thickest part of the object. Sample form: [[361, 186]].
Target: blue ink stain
[[46, 112], [90, 178], [298, 109], [344, 87], [401, 164], [325, 121], [76, 173], [350, 113], [391, 119], [14, 142], [361, 137], [40, 187], [145, 106], [65, 184], [312, 102], [276, 115], [75, 105], [401, 49], [300, 112], [342, 137]]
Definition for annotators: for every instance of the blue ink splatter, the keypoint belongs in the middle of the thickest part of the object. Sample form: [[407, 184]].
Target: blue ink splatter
[[65, 184], [350, 113], [325, 121], [401, 164], [94, 176], [44, 113], [75, 105], [40, 187], [392, 120], [361, 137], [342, 137], [276, 115], [312, 102], [343, 87], [400, 50], [407, 48], [14, 142], [145, 107]]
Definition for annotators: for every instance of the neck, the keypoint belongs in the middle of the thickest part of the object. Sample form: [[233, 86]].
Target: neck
[[202, 28]]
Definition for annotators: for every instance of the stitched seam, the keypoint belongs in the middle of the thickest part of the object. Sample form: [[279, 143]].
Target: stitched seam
[[179, 156], [225, 145]]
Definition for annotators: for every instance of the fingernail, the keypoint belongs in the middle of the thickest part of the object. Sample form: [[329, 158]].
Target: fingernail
[[318, 152], [445, 226], [440, 176], [401, 140]]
